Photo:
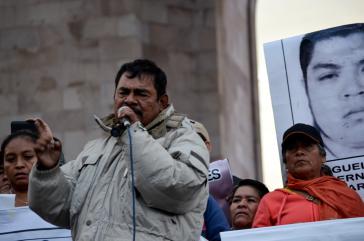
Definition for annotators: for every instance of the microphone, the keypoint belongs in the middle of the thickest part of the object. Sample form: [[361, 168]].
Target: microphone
[[124, 121]]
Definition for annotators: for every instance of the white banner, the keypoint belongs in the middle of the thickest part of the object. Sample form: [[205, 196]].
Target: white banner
[[350, 229], [23, 224]]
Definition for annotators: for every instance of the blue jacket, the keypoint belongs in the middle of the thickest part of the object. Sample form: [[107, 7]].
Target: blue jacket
[[215, 221]]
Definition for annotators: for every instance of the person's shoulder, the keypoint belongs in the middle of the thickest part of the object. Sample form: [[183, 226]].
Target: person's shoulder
[[176, 120], [188, 131], [187, 124], [179, 124], [277, 194]]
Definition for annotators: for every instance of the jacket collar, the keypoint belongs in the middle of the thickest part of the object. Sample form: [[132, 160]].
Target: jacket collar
[[158, 128]]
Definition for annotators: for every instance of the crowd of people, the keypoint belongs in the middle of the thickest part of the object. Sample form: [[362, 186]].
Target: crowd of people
[[148, 178]]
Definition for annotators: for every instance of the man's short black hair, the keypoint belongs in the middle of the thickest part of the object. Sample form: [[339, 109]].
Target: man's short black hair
[[258, 186], [139, 67], [309, 40]]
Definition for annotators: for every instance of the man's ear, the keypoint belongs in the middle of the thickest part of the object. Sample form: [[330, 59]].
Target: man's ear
[[163, 101]]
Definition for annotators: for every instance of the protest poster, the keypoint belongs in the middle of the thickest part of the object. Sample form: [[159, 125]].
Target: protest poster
[[221, 183], [318, 79]]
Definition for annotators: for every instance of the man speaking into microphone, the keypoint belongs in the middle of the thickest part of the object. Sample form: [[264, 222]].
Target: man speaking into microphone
[[94, 195]]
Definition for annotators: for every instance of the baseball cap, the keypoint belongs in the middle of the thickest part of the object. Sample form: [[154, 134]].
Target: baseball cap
[[301, 129], [200, 129]]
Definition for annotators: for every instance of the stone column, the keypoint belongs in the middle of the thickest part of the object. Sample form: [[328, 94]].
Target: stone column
[[238, 94]]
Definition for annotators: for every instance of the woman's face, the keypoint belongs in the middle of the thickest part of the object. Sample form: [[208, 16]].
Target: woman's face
[[303, 159], [19, 157], [243, 207]]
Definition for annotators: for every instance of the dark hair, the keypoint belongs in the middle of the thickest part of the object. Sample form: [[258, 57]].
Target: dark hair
[[258, 186], [139, 67], [309, 40], [21, 133], [326, 170]]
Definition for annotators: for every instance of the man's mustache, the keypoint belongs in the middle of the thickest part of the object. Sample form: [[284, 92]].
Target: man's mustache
[[136, 110]]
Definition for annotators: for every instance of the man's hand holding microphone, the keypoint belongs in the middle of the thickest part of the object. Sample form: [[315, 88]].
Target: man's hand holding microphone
[[127, 117]]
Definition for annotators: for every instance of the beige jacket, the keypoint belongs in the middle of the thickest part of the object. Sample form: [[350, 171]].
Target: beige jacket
[[92, 194]]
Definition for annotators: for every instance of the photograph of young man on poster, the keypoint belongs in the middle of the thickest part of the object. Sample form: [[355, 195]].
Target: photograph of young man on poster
[[332, 63]]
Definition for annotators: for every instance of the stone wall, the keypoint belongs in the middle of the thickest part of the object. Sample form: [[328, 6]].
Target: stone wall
[[58, 59]]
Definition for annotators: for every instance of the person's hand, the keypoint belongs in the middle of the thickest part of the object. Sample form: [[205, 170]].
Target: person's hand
[[127, 113], [47, 148]]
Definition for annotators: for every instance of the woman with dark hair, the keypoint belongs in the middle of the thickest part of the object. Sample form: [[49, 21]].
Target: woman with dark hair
[[244, 202], [310, 194], [18, 156]]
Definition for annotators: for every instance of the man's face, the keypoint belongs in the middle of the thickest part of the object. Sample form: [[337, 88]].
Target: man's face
[[140, 95], [335, 86], [303, 158]]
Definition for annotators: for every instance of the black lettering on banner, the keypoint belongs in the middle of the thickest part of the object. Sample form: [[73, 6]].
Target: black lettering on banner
[[357, 186], [214, 174], [348, 167], [336, 169], [356, 166], [352, 177]]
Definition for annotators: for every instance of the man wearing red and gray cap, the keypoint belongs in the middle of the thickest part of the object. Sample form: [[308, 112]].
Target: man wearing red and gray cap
[[308, 196]]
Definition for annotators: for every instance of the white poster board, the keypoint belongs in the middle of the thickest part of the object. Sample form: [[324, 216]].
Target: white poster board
[[23, 224], [350, 229], [333, 100]]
